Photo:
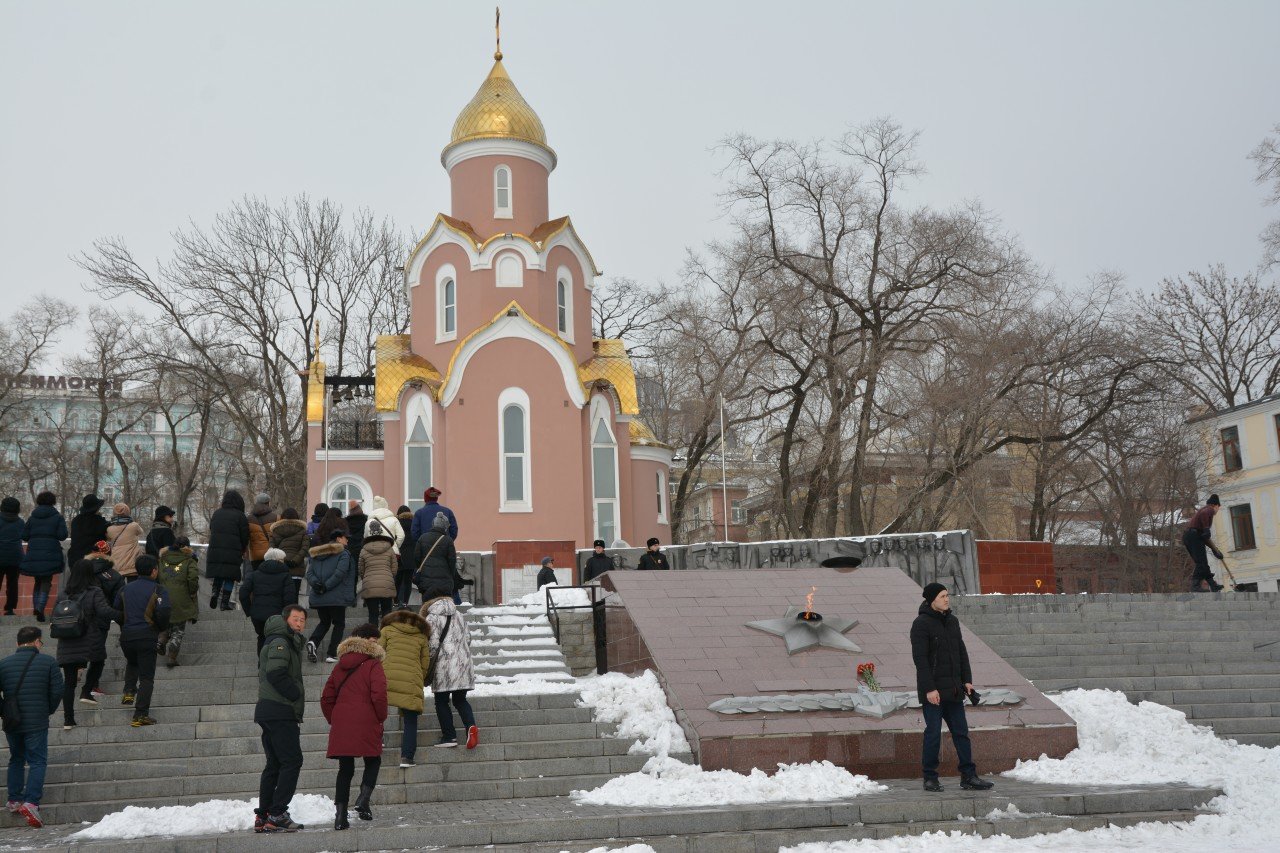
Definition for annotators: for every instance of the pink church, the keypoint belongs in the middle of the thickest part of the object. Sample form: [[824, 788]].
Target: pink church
[[499, 396]]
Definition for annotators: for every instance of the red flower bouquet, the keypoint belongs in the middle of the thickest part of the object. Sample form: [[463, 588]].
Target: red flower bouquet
[[867, 676]]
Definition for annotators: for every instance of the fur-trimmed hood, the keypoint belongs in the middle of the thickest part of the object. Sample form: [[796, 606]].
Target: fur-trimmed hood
[[287, 523], [361, 646], [405, 617], [326, 549]]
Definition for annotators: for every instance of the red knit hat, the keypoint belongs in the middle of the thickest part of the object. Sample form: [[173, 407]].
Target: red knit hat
[[431, 494]]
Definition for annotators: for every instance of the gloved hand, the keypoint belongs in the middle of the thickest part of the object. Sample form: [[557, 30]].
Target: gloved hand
[[468, 581], [319, 588], [1217, 553]]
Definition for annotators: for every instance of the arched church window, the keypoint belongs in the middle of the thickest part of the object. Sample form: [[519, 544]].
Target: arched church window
[[510, 271], [562, 306], [448, 307], [662, 499], [502, 192], [513, 446], [417, 451], [604, 473], [342, 492]]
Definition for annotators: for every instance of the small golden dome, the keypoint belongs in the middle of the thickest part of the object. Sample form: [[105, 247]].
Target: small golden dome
[[498, 111]]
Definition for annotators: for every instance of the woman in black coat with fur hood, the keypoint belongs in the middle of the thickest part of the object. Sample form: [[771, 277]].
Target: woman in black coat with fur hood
[[228, 539]]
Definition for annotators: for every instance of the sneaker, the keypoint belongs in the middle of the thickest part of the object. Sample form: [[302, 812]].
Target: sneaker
[[281, 823], [407, 762], [97, 694], [933, 786], [88, 700], [447, 743], [259, 821], [143, 721], [32, 813], [473, 737], [331, 659], [975, 783], [13, 806], [126, 699], [66, 727], [311, 651]]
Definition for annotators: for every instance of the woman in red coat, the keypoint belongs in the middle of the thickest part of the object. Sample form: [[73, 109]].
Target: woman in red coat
[[354, 703]]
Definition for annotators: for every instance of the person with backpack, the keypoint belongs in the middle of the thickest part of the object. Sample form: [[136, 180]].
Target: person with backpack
[[144, 613], [161, 534], [266, 592], [126, 538], [30, 690], [377, 564], [289, 534], [317, 516], [179, 574], [452, 672], [228, 544], [260, 519], [408, 660], [438, 560], [80, 621], [12, 527], [44, 559], [88, 527], [354, 703], [331, 576]]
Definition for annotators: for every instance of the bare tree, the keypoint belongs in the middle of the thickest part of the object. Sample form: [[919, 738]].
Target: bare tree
[[1266, 158], [627, 310], [26, 340], [1218, 336], [244, 296]]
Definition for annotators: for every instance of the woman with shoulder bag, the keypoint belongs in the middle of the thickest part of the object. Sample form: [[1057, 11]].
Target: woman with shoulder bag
[[451, 672], [354, 702]]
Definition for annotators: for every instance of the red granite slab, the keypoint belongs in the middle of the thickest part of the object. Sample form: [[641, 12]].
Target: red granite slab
[[691, 629]]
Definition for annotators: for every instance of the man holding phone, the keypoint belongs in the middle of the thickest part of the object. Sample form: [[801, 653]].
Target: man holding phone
[[943, 680]]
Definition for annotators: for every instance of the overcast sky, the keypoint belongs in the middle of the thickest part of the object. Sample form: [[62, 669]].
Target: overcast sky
[[1108, 135]]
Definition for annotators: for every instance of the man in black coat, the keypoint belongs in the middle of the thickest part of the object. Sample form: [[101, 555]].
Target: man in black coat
[[943, 680], [161, 534], [597, 564], [228, 539], [652, 558], [87, 529], [266, 591], [356, 523], [547, 574]]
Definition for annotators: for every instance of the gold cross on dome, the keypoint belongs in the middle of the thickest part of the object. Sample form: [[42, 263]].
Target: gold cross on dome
[[497, 32]]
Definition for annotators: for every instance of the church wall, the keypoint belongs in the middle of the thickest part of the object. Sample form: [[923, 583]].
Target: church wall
[[470, 428], [471, 185], [558, 257], [642, 509], [392, 484], [422, 310]]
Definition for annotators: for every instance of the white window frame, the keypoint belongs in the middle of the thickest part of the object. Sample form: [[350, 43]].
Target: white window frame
[[662, 497], [444, 275], [348, 480], [502, 261], [601, 413], [565, 277], [500, 211], [418, 407], [514, 397]]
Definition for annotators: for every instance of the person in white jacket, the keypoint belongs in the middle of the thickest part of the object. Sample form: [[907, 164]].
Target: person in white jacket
[[389, 522]]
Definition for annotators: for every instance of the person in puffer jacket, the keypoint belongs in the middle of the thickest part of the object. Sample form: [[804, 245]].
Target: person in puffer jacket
[[331, 576], [179, 574], [378, 563], [266, 592], [11, 529]]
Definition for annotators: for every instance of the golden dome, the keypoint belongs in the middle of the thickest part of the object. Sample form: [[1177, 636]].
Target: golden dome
[[498, 111]]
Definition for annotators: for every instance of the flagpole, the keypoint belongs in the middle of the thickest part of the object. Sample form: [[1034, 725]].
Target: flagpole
[[724, 479]]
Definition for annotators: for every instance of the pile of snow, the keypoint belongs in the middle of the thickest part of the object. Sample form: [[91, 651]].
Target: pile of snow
[[630, 848], [1125, 744], [639, 708], [666, 782], [567, 597], [200, 819]]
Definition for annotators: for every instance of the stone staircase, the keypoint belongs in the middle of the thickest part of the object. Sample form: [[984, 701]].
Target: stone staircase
[[206, 745], [1213, 656]]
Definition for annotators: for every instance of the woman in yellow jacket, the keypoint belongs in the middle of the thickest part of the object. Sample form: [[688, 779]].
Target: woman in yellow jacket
[[404, 637]]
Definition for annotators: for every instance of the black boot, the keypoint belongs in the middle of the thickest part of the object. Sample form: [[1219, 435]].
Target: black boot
[[213, 600], [975, 783], [340, 819], [362, 803], [932, 785], [226, 601]]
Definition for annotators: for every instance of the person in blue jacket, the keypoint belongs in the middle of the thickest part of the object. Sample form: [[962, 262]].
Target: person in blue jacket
[[12, 528], [46, 529], [331, 579], [426, 516], [35, 680]]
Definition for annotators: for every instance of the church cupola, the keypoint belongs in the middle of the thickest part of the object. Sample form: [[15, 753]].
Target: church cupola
[[498, 159]]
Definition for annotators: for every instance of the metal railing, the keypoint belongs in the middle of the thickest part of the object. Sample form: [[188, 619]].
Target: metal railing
[[598, 595], [355, 435]]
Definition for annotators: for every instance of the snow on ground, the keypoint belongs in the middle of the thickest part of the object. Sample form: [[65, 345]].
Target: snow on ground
[[630, 848], [515, 663], [638, 706], [199, 819], [1123, 744], [525, 684], [567, 597]]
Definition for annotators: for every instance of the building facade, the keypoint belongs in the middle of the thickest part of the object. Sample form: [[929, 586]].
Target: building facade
[[1242, 465], [499, 396]]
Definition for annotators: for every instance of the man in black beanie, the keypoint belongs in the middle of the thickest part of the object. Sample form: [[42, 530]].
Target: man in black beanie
[[1197, 539], [943, 680]]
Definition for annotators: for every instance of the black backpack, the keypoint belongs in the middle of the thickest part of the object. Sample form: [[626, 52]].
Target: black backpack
[[67, 621]]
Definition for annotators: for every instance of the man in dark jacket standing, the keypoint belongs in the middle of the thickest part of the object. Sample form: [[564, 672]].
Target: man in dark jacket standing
[[356, 523], [144, 613], [943, 680], [37, 683], [1198, 538], [11, 529], [266, 592], [597, 564], [652, 558], [425, 517], [281, 700], [547, 574]]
